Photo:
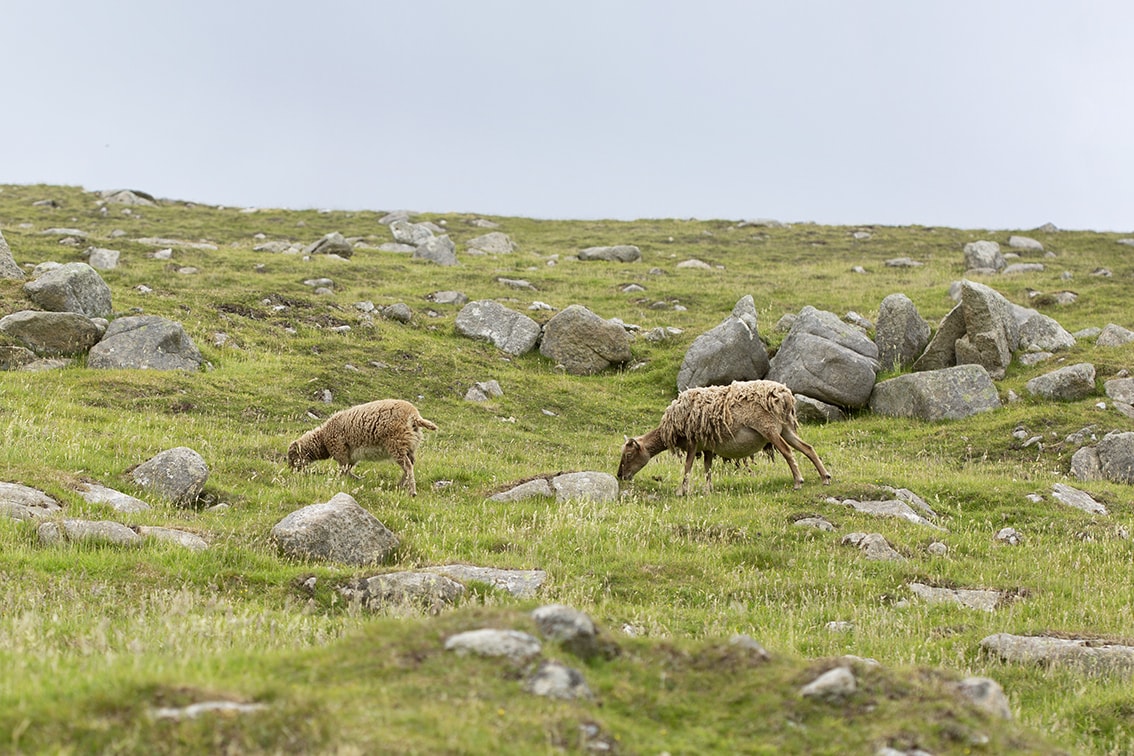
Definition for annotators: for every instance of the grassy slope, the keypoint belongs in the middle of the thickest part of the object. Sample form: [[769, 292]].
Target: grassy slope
[[95, 637]]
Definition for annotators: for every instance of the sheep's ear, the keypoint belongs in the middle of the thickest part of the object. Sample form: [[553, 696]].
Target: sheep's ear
[[625, 439]]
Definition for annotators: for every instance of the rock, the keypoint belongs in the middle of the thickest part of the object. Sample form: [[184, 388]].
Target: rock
[[9, 268], [573, 629], [1025, 243], [448, 297], [20, 502], [102, 259], [177, 475], [1073, 497], [74, 287], [827, 359], [946, 394], [583, 342], [1009, 536], [991, 332], [510, 644], [1016, 268], [834, 684], [554, 680], [525, 490], [437, 249], [145, 342], [494, 243], [15, 357], [887, 508], [984, 600], [901, 334], [87, 531], [1120, 389], [1067, 384], [428, 590], [599, 487], [873, 545], [413, 234], [338, 530], [1116, 457], [808, 410], [941, 352], [332, 244], [1114, 335], [399, 312], [731, 351], [984, 254], [987, 694], [510, 331], [182, 538], [52, 333], [1085, 464], [1041, 332], [819, 523], [617, 253], [129, 197], [518, 583], [482, 391], [1088, 655], [120, 502]]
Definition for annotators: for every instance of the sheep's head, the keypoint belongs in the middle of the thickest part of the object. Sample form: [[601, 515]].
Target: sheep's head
[[634, 458], [295, 456]]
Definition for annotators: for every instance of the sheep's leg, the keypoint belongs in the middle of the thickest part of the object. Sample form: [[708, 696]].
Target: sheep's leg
[[406, 461], [784, 449], [692, 455], [708, 470], [793, 438]]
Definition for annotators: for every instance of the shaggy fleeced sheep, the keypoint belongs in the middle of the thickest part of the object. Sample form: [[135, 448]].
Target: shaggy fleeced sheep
[[385, 429], [733, 422]]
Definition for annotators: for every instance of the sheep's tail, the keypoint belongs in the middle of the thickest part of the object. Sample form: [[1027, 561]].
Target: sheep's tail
[[421, 422]]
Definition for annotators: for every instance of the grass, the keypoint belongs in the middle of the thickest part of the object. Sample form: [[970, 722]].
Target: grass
[[92, 639]]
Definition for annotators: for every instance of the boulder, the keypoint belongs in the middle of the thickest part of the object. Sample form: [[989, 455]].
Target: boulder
[[182, 538], [338, 530], [15, 357], [8, 267], [946, 394], [617, 253], [510, 644], [1087, 654], [333, 243], [509, 331], [731, 351], [1067, 384], [52, 334], [553, 679], [991, 332], [414, 234], [518, 583], [901, 333], [826, 359], [583, 342], [984, 255], [941, 352], [599, 487], [178, 475], [145, 342], [1113, 335], [74, 287], [494, 243], [1039, 332], [118, 501], [1116, 457], [873, 545], [1025, 243], [437, 249], [87, 531], [101, 258], [427, 590], [20, 502], [1120, 389]]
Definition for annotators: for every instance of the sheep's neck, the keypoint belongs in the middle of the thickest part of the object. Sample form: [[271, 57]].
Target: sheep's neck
[[652, 442]]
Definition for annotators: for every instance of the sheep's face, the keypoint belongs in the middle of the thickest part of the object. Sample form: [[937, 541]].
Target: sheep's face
[[295, 457], [634, 458]]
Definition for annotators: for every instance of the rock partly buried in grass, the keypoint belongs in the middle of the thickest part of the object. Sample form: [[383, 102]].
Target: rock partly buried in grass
[[425, 590], [873, 545], [1090, 655], [338, 530], [833, 685], [87, 531], [145, 342], [21, 502], [555, 680], [518, 583], [595, 486], [178, 475], [985, 600], [510, 644]]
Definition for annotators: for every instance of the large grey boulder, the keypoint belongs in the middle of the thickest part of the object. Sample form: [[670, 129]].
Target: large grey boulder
[[338, 530], [901, 333], [333, 243], [145, 342], [510, 331], [941, 352], [414, 234], [1067, 384], [946, 394], [8, 266], [984, 255], [583, 342], [1039, 332], [518, 583], [178, 475], [493, 243], [1111, 459], [731, 351], [991, 331], [826, 359], [73, 287], [52, 334], [616, 253], [1120, 389], [1114, 335], [437, 249], [599, 487]]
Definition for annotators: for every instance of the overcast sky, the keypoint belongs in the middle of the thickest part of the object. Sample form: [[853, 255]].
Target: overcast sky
[[973, 114]]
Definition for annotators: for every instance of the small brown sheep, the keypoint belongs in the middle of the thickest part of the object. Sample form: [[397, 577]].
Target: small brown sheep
[[733, 422], [385, 429]]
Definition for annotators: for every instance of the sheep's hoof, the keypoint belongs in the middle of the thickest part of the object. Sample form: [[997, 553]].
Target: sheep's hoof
[[827, 480], [798, 485]]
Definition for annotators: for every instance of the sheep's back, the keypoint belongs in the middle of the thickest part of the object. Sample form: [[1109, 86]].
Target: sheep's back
[[386, 423]]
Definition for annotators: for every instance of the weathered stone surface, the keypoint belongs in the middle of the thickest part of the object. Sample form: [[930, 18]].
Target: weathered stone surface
[[518, 583], [338, 530], [438, 249], [583, 342], [946, 394], [901, 333], [525, 490], [834, 684], [8, 267], [74, 287], [509, 331], [427, 590], [573, 629], [52, 334], [827, 359], [510, 644], [333, 243], [731, 351], [984, 600], [1088, 655], [984, 255], [1066, 384], [1113, 335], [1025, 243], [555, 680], [598, 487], [1116, 457], [941, 352], [1039, 332], [808, 410], [15, 357], [182, 538], [873, 545], [887, 508], [1120, 389], [493, 243], [87, 531], [145, 342], [987, 694], [1073, 497], [120, 502], [616, 253], [991, 331], [21, 502], [178, 475], [413, 234]]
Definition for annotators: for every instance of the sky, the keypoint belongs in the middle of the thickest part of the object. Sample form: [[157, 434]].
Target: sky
[[983, 114]]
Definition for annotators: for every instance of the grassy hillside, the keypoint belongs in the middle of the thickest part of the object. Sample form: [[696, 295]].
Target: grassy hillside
[[92, 639]]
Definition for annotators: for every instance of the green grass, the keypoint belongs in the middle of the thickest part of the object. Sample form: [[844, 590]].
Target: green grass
[[92, 639]]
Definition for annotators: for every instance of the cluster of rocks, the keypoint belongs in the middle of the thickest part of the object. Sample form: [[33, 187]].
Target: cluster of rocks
[[74, 303]]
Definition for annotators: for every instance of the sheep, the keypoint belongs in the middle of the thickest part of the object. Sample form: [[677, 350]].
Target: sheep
[[733, 422], [384, 429]]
